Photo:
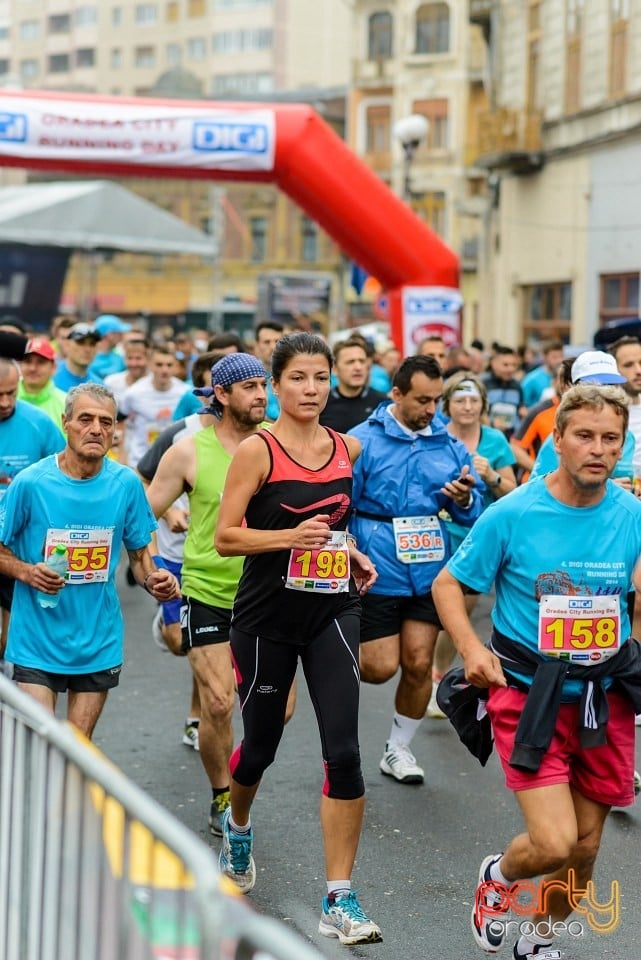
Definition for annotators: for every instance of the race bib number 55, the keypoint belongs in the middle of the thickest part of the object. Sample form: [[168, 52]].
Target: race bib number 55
[[585, 630], [320, 571], [89, 553]]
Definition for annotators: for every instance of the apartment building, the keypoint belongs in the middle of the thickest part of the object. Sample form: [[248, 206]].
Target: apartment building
[[427, 59], [562, 146], [215, 49]]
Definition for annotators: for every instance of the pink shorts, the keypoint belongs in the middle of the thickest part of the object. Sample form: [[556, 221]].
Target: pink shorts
[[603, 774]]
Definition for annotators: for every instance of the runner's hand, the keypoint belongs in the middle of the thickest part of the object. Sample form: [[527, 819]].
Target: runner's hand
[[459, 489], [363, 570], [483, 669], [162, 585], [43, 578], [311, 534], [177, 520]]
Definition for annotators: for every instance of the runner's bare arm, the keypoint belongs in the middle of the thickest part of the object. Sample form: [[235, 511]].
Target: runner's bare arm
[[36, 575], [482, 667], [169, 480], [353, 445], [247, 473], [161, 584]]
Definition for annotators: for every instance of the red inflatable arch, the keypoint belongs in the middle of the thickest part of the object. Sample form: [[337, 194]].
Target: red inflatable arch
[[289, 145]]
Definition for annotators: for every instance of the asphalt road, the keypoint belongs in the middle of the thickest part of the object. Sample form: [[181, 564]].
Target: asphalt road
[[421, 845]]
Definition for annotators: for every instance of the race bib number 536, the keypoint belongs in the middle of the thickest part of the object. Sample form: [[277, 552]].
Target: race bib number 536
[[89, 553]]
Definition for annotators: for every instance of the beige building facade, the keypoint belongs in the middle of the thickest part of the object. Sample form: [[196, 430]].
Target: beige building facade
[[427, 59], [562, 147], [263, 50]]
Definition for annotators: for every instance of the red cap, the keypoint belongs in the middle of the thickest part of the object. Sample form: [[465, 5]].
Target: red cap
[[42, 347]]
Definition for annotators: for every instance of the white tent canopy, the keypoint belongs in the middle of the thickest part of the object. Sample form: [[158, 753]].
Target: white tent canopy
[[94, 215]]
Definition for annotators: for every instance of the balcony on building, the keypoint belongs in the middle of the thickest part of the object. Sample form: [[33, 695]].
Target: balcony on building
[[510, 140]]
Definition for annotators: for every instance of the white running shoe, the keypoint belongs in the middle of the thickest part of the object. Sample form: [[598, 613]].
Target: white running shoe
[[433, 709], [344, 918], [399, 762], [190, 736], [489, 913], [156, 630]]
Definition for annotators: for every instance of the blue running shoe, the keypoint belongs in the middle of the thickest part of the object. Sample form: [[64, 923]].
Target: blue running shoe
[[344, 918], [235, 859], [489, 912]]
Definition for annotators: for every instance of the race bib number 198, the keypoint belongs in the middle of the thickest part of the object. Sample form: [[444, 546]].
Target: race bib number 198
[[320, 571], [89, 553]]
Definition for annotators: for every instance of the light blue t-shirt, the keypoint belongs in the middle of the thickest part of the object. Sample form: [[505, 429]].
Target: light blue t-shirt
[[494, 446], [188, 404], [104, 364], [547, 459], [530, 544], [535, 384], [26, 436], [64, 379], [84, 632]]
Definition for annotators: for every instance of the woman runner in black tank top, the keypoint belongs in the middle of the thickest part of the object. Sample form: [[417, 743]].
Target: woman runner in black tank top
[[285, 507]]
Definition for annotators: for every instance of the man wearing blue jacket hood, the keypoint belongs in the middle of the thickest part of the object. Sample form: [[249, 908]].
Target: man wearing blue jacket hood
[[411, 470]]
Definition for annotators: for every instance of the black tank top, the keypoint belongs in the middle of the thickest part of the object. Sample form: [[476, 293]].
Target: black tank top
[[293, 493]]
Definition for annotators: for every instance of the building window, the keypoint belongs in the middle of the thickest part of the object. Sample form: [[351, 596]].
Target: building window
[[172, 11], [85, 16], [619, 296], [146, 13], [436, 113], [29, 30], [196, 48], [242, 83], [196, 8], [378, 128], [59, 23], [29, 69], [534, 54], [174, 54], [309, 238], [258, 229], [145, 57], [116, 16], [238, 41], [379, 36], [432, 28], [86, 57], [4, 33], [432, 208], [4, 67], [573, 44], [619, 16], [58, 63], [547, 312], [116, 58]]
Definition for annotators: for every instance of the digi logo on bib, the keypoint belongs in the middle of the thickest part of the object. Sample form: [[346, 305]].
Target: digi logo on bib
[[580, 604], [231, 137], [13, 127]]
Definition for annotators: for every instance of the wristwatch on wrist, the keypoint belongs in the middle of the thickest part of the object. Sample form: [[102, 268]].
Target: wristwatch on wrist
[[496, 482]]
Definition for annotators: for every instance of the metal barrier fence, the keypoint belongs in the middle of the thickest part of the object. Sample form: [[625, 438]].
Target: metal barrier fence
[[91, 868]]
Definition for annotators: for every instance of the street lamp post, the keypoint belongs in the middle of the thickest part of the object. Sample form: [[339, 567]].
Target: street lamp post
[[410, 131]]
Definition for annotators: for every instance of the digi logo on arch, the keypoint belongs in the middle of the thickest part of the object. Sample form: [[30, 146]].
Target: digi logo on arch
[[231, 137], [13, 127]]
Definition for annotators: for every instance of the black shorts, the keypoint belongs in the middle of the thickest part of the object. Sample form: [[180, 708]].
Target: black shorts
[[202, 624], [76, 682], [6, 591], [382, 615]]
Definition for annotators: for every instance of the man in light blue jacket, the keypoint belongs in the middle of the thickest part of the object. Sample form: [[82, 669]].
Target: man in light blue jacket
[[411, 470]]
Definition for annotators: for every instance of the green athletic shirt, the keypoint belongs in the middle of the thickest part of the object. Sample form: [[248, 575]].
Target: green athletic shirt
[[206, 576], [50, 400]]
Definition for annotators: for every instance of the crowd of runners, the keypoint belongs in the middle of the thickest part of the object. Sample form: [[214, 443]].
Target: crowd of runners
[[285, 501]]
